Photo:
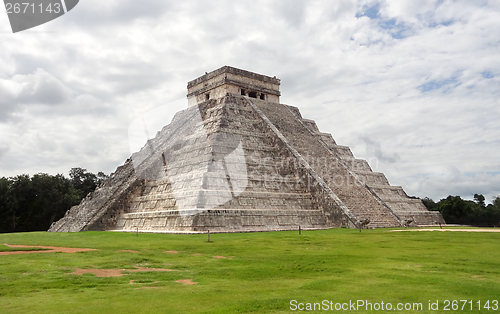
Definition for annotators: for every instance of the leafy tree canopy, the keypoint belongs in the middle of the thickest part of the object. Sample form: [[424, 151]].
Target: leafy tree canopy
[[456, 210], [34, 203]]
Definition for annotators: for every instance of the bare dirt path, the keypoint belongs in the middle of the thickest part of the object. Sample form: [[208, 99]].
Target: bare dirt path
[[48, 249], [186, 281], [457, 230], [113, 272], [219, 256]]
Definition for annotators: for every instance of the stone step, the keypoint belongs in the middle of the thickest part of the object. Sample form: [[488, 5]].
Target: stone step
[[358, 200], [215, 220]]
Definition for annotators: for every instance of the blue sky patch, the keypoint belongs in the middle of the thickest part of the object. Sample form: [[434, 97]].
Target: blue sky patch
[[489, 173], [445, 23], [487, 74], [396, 30], [435, 84], [371, 12], [388, 24]]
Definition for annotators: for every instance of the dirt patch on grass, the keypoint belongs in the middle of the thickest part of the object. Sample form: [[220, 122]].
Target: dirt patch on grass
[[457, 230], [131, 282], [186, 281], [218, 256], [113, 272], [172, 252], [98, 272], [196, 254], [46, 249]]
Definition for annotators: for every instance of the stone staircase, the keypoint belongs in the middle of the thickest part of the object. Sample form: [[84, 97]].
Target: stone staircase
[[339, 178], [394, 197]]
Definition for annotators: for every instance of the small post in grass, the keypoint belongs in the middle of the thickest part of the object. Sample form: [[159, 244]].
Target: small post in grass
[[137, 232], [300, 230], [407, 222], [363, 223], [208, 233]]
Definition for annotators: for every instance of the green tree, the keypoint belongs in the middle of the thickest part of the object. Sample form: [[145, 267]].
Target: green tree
[[7, 217], [21, 193], [85, 182], [491, 213], [479, 199], [54, 195], [34, 203], [455, 210], [429, 203]]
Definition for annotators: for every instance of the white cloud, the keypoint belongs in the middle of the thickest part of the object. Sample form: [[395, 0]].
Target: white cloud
[[417, 80], [40, 88]]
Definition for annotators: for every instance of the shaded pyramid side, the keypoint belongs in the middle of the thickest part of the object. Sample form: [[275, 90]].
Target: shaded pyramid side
[[410, 211], [363, 205]]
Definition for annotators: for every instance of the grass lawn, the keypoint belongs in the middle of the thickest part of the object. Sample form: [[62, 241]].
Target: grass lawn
[[261, 272]]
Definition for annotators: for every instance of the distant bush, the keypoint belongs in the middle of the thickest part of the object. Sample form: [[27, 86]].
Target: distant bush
[[33, 203], [456, 210]]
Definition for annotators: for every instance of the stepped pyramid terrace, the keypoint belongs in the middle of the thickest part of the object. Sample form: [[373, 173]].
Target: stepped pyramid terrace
[[238, 160]]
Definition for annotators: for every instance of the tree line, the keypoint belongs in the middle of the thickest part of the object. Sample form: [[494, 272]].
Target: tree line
[[33, 203], [456, 210]]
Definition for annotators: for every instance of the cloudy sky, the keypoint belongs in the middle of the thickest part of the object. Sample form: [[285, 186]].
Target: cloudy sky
[[411, 86]]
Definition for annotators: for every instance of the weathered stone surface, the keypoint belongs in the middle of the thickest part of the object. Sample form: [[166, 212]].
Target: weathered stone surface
[[234, 162]]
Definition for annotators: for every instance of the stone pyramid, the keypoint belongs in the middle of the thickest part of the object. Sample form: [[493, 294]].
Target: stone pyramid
[[238, 160]]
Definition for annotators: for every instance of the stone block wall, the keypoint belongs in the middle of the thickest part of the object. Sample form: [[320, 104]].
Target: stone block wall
[[237, 163], [392, 197]]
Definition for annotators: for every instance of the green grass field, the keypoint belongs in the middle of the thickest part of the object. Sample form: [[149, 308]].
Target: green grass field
[[266, 271]]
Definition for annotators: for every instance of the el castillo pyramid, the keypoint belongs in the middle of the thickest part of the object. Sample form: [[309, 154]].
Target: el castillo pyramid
[[238, 160]]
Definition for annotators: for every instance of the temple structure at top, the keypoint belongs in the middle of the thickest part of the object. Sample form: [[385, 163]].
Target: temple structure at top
[[229, 80]]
